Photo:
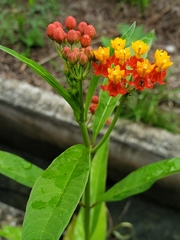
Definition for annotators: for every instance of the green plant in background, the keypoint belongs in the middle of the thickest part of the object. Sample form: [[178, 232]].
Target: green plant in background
[[142, 4], [25, 21], [146, 107], [78, 175]]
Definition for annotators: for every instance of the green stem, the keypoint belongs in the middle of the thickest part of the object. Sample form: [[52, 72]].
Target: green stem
[[86, 140], [81, 121], [87, 210], [116, 116], [85, 135]]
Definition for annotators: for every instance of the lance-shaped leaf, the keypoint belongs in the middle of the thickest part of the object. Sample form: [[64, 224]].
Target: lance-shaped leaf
[[56, 194], [46, 76], [126, 35], [142, 179], [129, 31], [98, 220], [19, 169], [92, 87], [105, 108], [99, 168], [149, 39]]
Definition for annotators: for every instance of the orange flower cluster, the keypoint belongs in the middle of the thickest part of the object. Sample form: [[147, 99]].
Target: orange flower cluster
[[125, 71]]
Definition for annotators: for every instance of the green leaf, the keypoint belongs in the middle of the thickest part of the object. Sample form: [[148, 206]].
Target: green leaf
[[141, 179], [105, 108], [46, 76], [100, 230], [106, 42], [129, 32], [78, 227], [125, 34], [98, 213], [70, 229], [79, 233], [149, 38], [10, 232], [98, 168], [92, 87], [19, 169], [56, 194], [138, 34]]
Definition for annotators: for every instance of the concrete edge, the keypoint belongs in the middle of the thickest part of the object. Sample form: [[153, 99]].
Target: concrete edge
[[42, 116]]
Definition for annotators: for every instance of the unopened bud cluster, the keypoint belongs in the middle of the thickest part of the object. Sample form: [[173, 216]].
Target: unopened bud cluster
[[74, 47], [75, 54], [82, 33]]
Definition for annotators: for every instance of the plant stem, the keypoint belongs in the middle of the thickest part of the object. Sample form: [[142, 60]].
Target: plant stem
[[116, 116], [85, 135], [81, 121], [87, 210]]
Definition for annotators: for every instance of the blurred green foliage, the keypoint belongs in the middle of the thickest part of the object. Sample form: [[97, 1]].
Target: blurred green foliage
[[25, 21], [152, 107], [142, 4]]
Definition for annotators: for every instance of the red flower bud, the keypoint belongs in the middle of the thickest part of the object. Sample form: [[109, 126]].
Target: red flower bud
[[85, 40], [73, 36], [81, 27], [95, 99], [73, 57], [82, 50], [50, 30], [83, 59], [79, 34], [90, 30], [65, 52], [70, 22], [76, 50], [89, 52], [93, 108], [57, 24], [59, 35]]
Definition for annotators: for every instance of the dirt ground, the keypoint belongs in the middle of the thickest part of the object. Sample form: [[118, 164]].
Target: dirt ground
[[163, 16]]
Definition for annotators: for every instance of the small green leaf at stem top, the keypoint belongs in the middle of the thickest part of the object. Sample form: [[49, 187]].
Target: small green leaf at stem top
[[129, 32]]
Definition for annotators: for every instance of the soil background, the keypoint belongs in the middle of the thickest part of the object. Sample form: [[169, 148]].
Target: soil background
[[163, 16]]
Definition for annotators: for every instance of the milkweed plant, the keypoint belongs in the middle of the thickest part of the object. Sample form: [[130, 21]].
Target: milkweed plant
[[68, 199]]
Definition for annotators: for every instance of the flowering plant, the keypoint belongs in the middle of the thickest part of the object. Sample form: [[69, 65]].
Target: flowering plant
[[78, 175]]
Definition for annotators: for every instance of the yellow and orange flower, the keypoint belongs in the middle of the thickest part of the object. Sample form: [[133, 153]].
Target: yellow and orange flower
[[102, 54], [139, 48], [144, 68], [143, 74], [122, 54], [118, 43], [162, 60], [116, 82]]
